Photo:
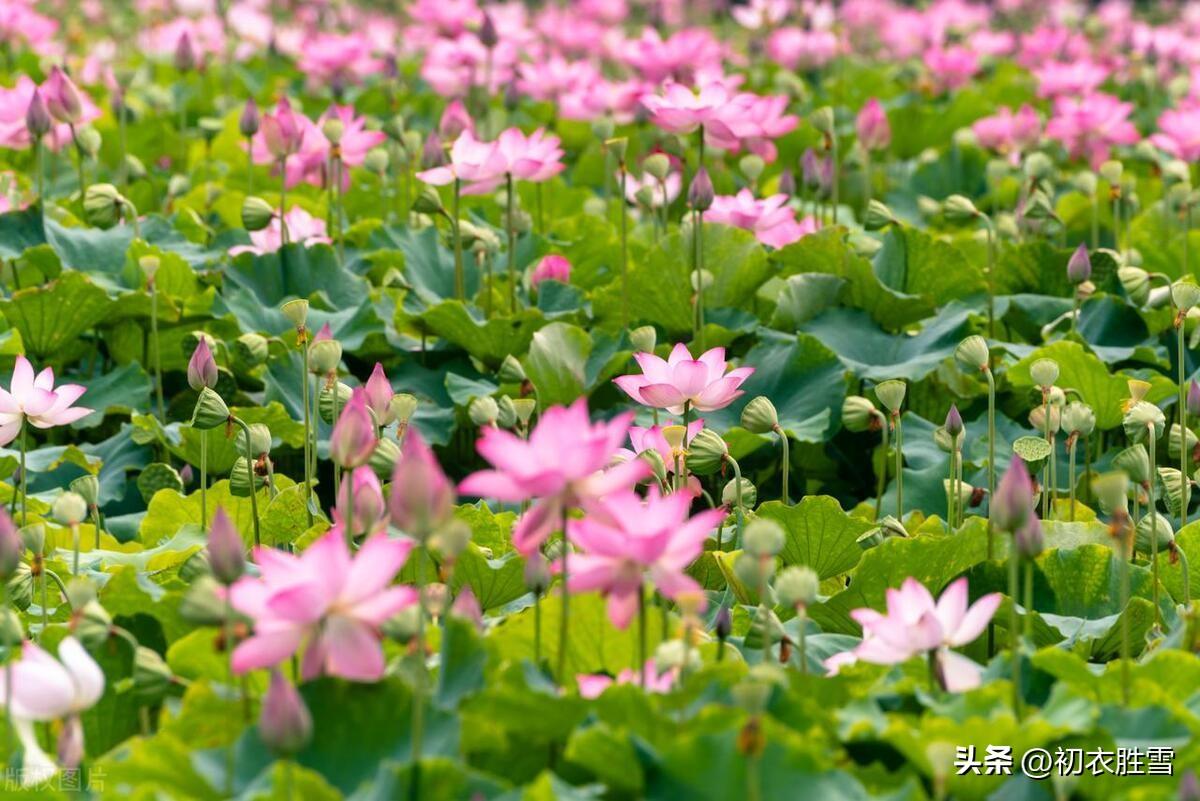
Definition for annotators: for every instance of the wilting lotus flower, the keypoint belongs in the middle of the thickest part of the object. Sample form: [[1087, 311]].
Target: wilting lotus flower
[[561, 464], [45, 689], [874, 132], [325, 602], [302, 227], [592, 685], [421, 498], [915, 624], [626, 540], [771, 219], [37, 401], [701, 383], [552, 267]]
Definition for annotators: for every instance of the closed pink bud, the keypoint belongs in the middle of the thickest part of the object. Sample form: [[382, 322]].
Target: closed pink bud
[[454, 121], [37, 116], [202, 368], [11, 546], [249, 121], [1012, 505], [422, 498], [379, 395], [353, 437], [185, 53], [226, 552], [874, 132], [551, 268], [284, 724], [282, 132], [370, 510], [62, 98]]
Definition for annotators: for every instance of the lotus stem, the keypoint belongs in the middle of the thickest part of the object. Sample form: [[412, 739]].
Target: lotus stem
[[624, 250], [899, 467], [991, 289], [1028, 602], [24, 474], [283, 229], [786, 448], [1183, 450], [40, 157], [250, 477], [1152, 510], [230, 750], [950, 492], [537, 629], [1071, 472], [1046, 488], [460, 284], [158, 390], [511, 227], [1187, 579], [332, 381], [564, 619], [1014, 568], [883, 463], [642, 636], [802, 616], [302, 341], [203, 482], [418, 701], [1125, 535]]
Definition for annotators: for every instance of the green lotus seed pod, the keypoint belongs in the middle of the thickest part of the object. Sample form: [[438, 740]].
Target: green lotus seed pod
[[763, 537], [644, 339], [1136, 283], [403, 405], [80, 592], [752, 166], [483, 410], [1037, 419], [1185, 294], [618, 146], [239, 482], [822, 120], [257, 214], [891, 394], [34, 537], [1038, 166], [428, 201], [1154, 525], [1078, 418], [203, 603], [93, 624], [333, 129], [877, 216], [88, 488], [759, 416], [135, 168], [324, 356], [730, 491], [88, 140], [797, 586], [376, 161], [959, 209], [325, 400], [70, 509], [20, 587], [1172, 481], [1134, 461], [296, 311], [151, 676], [525, 408], [178, 185], [1085, 182], [1034, 451], [658, 468], [859, 414], [507, 418], [210, 411], [1173, 441], [1143, 419], [260, 441], [11, 630], [251, 350], [753, 572], [657, 165], [1044, 372], [383, 458], [706, 452], [511, 370], [158, 476], [102, 205], [1111, 172]]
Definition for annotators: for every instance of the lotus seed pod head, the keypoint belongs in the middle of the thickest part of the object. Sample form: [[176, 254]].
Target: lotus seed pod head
[[1172, 481], [797, 586], [1037, 419], [251, 349], [1144, 419], [891, 394], [752, 166], [394, 128], [284, 723], [1057, 397], [324, 356], [657, 165], [1079, 266], [701, 193], [1029, 538], [1044, 373], [959, 209], [723, 626], [11, 547], [753, 572], [296, 311], [1175, 172], [859, 414], [972, 353], [178, 185], [403, 406], [658, 467], [507, 417], [333, 129], [1038, 166], [257, 214], [954, 422], [891, 527], [210, 411], [134, 167], [260, 439], [1150, 526], [763, 537], [759, 416], [483, 410], [1185, 294], [202, 367], [645, 195], [383, 458], [1134, 461], [1136, 283], [88, 140], [93, 624], [1138, 390], [729, 494], [644, 338], [511, 370], [822, 120], [1085, 182], [1173, 441], [1012, 505], [20, 587], [997, 170], [152, 678], [618, 146], [1111, 172], [878, 216], [34, 537], [226, 551], [706, 452], [1079, 418], [69, 509], [37, 116], [102, 205], [377, 161]]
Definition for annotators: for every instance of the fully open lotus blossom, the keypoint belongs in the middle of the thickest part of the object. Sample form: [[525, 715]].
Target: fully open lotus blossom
[[535, 158], [771, 219], [593, 685], [303, 228], [1089, 127], [759, 14], [47, 689], [338, 59], [753, 122], [800, 49], [1179, 131], [561, 464], [661, 194], [626, 541], [453, 67], [681, 110], [874, 132], [644, 439], [703, 384], [477, 165], [1081, 77], [323, 603], [38, 401], [951, 67], [552, 267], [914, 625], [1007, 133], [682, 57]]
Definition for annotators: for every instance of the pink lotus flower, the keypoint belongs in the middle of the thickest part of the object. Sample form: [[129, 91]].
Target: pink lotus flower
[[771, 219], [361, 488], [338, 59], [915, 624], [759, 14], [624, 540], [680, 110], [1055, 78], [701, 383], [647, 439], [874, 132], [325, 602], [800, 49], [15, 102], [47, 689], [477, 165], [552, 267], [1090, 126], [561, 464], [353, 437], [593, 685], [421, 498], [1179, 132], [753, 122], [302, 227], [951, 67], [1008, 133], [661, 194], [281, 134], [37, 401], [683, 56], [455, 119], [202, 367], [536, 157]]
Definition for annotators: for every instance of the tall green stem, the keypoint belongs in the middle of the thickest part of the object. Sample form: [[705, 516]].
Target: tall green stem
[[158, 390], [418, 701], [284, 235], [899, 467], [641, 629], [1071, 472], [1046, 469], [1014, 567], [1183, 451], [230, 750], [1152, 510], [460, 281], [563, 629], [1028, 602], [883, 470], [510, 224], [24, 475], [203, 480], [302, 339], [1125, 535], [624, 250], [786, 455], [250, 478]]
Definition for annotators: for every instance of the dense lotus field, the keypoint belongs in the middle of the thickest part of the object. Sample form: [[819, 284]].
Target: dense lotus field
[[607, 399]]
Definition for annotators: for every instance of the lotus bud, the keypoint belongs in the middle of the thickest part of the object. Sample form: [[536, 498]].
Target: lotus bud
[[511, 370], [763, 537], [657, 165], [1144, 418], [62, 98], [787, 183], [959, 209], [210, 411], [759, 416], [859, 414], [353, 436], [1078, 418], [706, 452], [954, 422], [644, 338], [102, 205], [1038, 166], [1193, 398], [729, 494], [37, 116], [1044, 373], [1079, 266], [284, 724], [797, 586], [249, 120], [1111, 172], [296, 311], [226, 552], [507, 416], [1012, 505], [723, 626], [483, 410], [1112, 491], [752, 167], [822, 120], [422, 498], [88, 140], [11, 547], [1029, 538], [1185, 294], [185, 53], [256, 213], [878, 216], [69, 509], [891, 394], [428, 201], [432, 153], [324, 356], [537, 573], [701, 193], [202, 368]]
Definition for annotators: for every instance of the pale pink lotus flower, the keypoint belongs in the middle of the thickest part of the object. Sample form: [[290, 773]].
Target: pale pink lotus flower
[[353, 438], [551, 267], [447, 17], [661, 194], [454, 120], [1056, 78], [989, 43], [771, 219], [548, 79], [645, 439], [681, 110], [593, 685], [951, 67], [310, 163], [338, 59], [915, 625], [477, 166], [280, 135], [38, 401], [626, 541], [325, 603], [1007, 133], [1179, 131], [753, 122], [13, 104], [1089, 127], [759, 14], [207, 35], [362, 488], [453, 67], [569, 33], [303, 228], [1050, 42], [682, 57], [874, 132], [602, 98], [46, 689], [420, 497], [21, 22], [535, 158], [703, 384], [561, 464]]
